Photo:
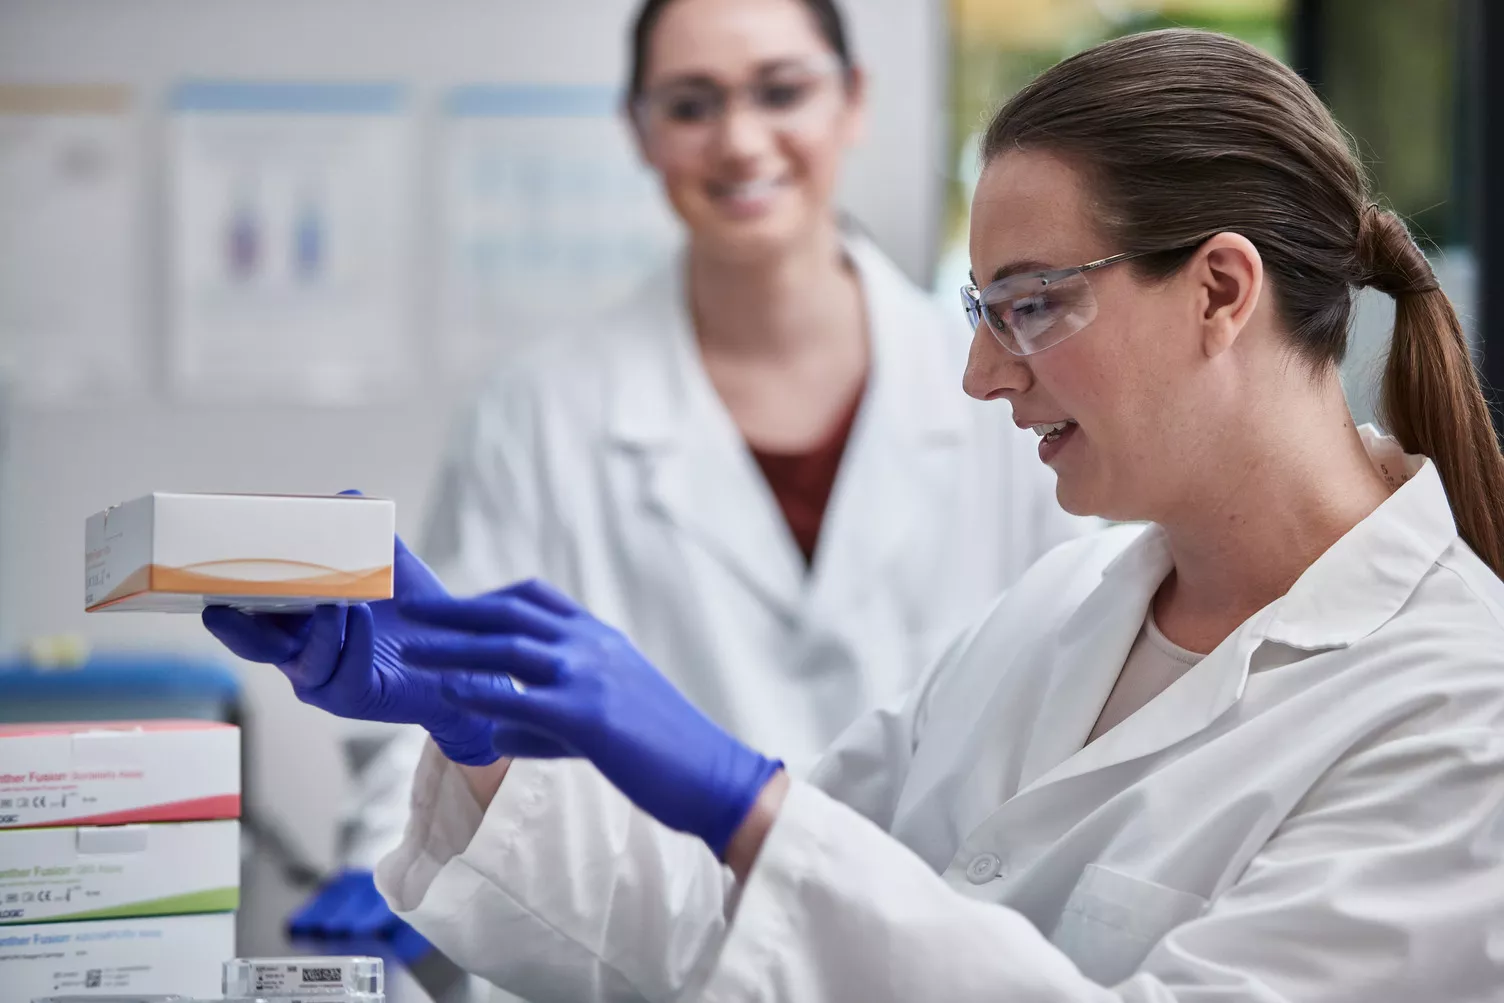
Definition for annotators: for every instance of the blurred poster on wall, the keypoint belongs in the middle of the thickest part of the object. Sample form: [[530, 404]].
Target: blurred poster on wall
[[69, 244], [547, 214], [289, 252]]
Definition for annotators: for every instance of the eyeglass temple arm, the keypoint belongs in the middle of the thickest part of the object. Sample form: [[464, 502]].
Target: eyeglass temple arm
[[1114, 259], [1126, 255]]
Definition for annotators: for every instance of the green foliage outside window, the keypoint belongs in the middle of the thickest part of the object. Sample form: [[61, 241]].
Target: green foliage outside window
[[1389, 70]]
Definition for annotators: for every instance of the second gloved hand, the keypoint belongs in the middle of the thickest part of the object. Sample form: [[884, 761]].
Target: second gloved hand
[[348, 661], [349, 915], [593, 694]]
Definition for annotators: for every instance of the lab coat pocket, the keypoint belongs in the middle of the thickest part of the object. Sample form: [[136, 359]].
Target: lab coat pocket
[[1111, 920]]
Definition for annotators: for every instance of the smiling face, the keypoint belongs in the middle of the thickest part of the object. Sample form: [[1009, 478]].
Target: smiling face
[[759, 178], [1142, 394]]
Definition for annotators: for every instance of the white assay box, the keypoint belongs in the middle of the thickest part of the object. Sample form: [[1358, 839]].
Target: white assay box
[[168, 954], [176, 553], [115, 772], [122, 871]]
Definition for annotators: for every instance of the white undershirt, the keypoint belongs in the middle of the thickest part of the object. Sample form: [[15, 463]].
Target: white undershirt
[[1153, 663]]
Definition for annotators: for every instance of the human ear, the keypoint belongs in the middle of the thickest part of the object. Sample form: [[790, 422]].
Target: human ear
[[1229, 277]]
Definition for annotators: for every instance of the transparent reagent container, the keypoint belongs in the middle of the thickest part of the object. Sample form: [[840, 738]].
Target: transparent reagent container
[[327, 980]]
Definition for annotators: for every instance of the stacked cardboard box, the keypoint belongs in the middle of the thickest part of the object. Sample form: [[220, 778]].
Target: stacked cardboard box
[[119, 857]]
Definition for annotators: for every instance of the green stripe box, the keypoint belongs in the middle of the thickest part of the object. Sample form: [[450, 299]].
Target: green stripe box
[[114, 872]]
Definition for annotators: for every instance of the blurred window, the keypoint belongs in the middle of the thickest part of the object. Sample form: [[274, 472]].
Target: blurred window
[[1391, 70], [999, 45]]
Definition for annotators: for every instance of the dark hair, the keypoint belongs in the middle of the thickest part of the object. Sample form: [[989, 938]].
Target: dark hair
[[828, 22], [1182, 134]]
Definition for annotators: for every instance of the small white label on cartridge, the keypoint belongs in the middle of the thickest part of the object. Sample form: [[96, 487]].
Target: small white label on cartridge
[[274, 978]]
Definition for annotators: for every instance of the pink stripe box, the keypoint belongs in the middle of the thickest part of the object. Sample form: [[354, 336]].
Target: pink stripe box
[[117, 772]]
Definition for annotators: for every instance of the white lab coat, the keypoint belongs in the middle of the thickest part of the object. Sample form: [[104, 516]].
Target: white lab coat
[[605, 463], [1313, 814]]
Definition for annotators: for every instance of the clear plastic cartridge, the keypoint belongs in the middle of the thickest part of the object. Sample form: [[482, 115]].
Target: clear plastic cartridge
[[328, 980]]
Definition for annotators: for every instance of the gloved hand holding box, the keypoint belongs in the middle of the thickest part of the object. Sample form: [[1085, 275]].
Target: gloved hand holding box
[[177, 553]]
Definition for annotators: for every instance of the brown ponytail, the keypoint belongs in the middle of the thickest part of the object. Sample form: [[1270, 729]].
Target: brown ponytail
[[1431, 399], [1187, 133]]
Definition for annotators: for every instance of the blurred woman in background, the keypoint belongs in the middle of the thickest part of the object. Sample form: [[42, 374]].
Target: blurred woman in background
[[762, 466]]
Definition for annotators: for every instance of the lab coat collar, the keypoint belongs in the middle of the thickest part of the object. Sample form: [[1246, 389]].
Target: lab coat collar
[[910, 371], [703, 477], [666, 417], [1364, 578], [1084, 662], [1350, 591], [654, 361], [664, 385], [901, 450]]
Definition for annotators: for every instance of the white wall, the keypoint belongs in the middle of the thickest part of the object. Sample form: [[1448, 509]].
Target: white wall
[[62, 464]]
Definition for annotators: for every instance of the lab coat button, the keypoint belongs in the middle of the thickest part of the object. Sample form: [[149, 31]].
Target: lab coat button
[[983, 868]]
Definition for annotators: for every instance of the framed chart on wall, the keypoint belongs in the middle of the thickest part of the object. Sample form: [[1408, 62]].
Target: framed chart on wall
[[289, 241], [546, 214]]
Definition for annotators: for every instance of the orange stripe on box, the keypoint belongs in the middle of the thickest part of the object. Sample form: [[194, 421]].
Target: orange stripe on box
[[372, 583], [137, 581], [324, 583]]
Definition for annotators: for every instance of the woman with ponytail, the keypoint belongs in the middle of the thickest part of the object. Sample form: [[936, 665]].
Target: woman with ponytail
[[1252, 752]]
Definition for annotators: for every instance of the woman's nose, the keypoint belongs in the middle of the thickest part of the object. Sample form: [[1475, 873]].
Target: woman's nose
[[991, 370], [742, 132]]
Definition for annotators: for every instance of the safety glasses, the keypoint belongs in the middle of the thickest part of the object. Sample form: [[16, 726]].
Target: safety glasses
[[786, 96], [1037, 310]]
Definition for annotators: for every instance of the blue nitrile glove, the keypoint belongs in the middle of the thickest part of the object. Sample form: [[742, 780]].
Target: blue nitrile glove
[[593, 693], [350, 912], [347, 660]]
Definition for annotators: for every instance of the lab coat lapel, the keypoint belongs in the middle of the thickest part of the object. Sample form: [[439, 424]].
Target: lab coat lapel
[[1091, 660], [911, 421], [1186, 707], [695, 469], [1087, 655]]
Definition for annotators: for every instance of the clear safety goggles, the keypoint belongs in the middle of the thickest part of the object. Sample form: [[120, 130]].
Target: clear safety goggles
[[1033, 311], [792, 96]]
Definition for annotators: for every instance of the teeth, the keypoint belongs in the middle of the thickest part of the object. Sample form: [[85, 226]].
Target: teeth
[[749, 189], [1052, 429]]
